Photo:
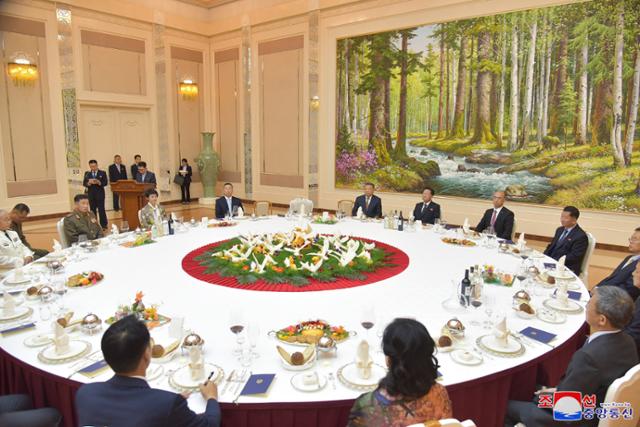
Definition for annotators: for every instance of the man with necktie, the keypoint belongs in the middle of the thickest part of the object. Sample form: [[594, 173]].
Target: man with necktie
[[144, 175], [622, 276], [499, 218], [606, 356], [134, 167], [370, 203], [13, 253], [427, 211], [117, 172], [94, 181], [228, 204], [569, 241]]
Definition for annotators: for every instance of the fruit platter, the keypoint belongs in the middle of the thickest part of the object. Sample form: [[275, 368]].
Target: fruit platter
[[458, 242], [84, 279], [310, 332]]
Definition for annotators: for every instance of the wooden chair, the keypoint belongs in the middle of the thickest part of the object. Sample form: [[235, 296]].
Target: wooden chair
[[584, 267], [61, 235], [346, 206], [449, 422], [624, 389], [262, 208]]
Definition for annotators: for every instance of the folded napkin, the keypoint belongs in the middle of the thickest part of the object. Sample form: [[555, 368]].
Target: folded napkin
[[16, 329], [538, 334], [57, 247], [359, 213], [114, 229], [196, 363], [60, 339], [240, 212], [501, 332], [363, 360], [204, 221], [174, 216], [560, 267], [465, 225], [521, 241], [9, 306]]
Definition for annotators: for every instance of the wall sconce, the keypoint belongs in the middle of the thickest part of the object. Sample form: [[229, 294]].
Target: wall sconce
[[188, 89], [315, 102], [22, 70]]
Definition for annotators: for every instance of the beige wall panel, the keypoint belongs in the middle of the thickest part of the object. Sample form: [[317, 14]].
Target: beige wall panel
[[98, 137], [134, 136], [281, 88], [113, 70], [228, 114], [189, 113]]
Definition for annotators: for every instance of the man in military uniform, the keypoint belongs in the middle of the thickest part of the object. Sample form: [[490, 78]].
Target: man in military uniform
[[13, 253], [81, 221], [18, 214]]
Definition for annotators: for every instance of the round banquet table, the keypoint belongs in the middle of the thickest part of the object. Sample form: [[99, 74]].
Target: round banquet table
[[477, 392]]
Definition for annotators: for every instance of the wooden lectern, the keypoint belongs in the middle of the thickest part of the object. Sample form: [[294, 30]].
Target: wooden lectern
[[131, 199]]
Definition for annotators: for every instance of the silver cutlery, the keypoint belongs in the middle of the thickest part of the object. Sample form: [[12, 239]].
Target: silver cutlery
[[239, 381], [240, 388], [489, 356], [332, 378], [229, 380]]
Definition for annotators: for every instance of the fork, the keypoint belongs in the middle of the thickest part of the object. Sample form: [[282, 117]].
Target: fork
[[229, 380], [332, 378], [489, 356], [239, 390], [239, 381]]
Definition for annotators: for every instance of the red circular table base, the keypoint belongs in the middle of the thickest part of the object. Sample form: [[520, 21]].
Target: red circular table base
[[398, 259]]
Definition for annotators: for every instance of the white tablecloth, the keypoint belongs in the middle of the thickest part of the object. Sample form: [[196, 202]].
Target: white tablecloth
[[418, 292]]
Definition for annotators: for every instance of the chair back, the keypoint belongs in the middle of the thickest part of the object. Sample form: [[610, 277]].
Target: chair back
[[346, 206], [584, 267], [513, 230], [61, 235], [624, 389], [262, 208], [295, 206], [449, 422]]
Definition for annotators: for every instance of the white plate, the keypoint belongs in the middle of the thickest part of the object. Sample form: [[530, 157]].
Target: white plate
[[348, 375], [154, 371], [551, 316], [536, 254], [12, 282], [465, 357], [20, 311], [297, 382], [38, 340], [19, 299], [309, 364], [76, 347], [182, 377], [490, 341], [571, 307], [565, 275], [574, 286]]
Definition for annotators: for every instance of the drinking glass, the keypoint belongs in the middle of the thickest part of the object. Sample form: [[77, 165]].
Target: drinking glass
[[236, 325], [60, 289], [44, 312], [124, 227], [476, 302], [82, 239], [367, 319], [253, 334], [488, 303]]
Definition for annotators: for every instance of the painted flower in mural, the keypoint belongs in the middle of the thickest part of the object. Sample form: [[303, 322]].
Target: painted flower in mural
[[348, 165]]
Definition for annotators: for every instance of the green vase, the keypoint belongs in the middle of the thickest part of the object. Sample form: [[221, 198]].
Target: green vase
[[208, 162]]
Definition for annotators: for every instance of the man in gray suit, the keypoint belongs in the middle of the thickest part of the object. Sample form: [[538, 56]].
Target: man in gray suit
[[606, 356]]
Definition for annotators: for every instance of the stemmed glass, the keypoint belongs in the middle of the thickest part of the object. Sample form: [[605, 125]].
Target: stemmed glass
[[60, 289], [124, 227], [367, 319], [489, 302], [236, 325], [476, 302], [253, 333]]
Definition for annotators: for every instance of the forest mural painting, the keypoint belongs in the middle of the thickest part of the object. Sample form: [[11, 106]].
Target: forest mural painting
[[542, 103]]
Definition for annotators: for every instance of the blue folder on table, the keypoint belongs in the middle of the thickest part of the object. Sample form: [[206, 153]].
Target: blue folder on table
[[538, 334], [574, 295], [94, 369], [258, 385], [16, 329]]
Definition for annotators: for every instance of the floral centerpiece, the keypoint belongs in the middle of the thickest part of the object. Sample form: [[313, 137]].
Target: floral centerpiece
[[149, 315], [141, 239], [311, 331], [293, 257], [325, 218], [490, 275]]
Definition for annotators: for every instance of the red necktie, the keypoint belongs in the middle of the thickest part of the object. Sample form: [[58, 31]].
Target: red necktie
[[493, 217]]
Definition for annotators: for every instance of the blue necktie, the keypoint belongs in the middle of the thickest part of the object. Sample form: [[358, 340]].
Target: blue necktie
[[229, 205], [564, 234]]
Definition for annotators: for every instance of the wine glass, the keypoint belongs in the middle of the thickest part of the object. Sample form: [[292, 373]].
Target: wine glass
[[124, 227], [60, 289], [253, 333], [476, 302], [489, 302], [236, 325], [367, 319]]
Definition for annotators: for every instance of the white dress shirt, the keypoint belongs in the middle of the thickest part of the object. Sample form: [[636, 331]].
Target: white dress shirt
[[595, 335], [12, 250]]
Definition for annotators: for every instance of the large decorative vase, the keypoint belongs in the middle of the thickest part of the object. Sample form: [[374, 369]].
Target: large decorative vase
[[208, 162]]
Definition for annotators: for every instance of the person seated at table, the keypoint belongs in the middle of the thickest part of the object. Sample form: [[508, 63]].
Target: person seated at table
[[622, 275], [18, 214], [144, 175], [427, 211], [607, 355], [499, 218], [228, 204], [409, 393], [16, 410], [152, 213], [569, 241], [81, 221], [370, 203], [634, 327], [127, 399], [13, 253]]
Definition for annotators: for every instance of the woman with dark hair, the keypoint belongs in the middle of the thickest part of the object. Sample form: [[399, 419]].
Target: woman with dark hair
[[408, 394], [186, 172]]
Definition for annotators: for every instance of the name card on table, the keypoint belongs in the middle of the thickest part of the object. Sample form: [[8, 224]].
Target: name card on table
[[18, 329]]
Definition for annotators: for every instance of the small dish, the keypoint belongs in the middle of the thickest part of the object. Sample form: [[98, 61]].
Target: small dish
[[298, 382], [466, 357]]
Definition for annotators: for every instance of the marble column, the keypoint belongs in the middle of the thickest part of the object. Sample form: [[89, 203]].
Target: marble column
[[160, 54], [313, 103], [246, 75]]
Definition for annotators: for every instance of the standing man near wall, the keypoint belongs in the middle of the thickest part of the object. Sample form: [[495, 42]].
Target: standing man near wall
[[134, 167], [94, 181], [117, 171]]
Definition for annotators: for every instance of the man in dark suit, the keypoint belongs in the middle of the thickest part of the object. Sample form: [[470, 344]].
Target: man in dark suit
[[145, 175], [371, 204], [622, 275], [634, 327], [608, 354], [126, 400], [499, 218], [134, 167], [427, 211], [227, 204], [570, 240], [94, 181], [117, 171]]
